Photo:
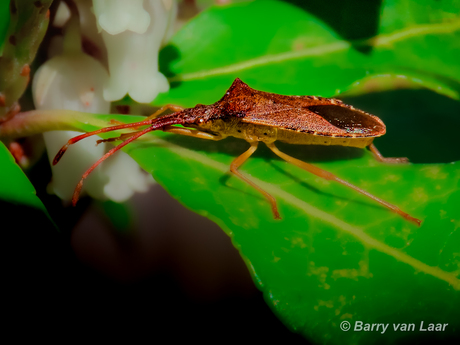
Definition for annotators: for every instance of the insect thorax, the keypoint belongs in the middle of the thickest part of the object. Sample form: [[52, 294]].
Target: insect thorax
[[236, 128]]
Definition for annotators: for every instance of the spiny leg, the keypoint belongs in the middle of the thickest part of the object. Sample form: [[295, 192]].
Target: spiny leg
[[234, 169], [328, 176], [383, 159]]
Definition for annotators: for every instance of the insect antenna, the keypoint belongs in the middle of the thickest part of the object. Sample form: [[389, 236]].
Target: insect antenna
[[76, 139], [155, 124]]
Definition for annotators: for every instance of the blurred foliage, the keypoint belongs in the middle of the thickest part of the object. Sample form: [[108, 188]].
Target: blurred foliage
[[27, 24], [4, 22], [335, 256]]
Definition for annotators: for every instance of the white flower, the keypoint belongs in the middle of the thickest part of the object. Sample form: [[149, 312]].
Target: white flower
[[116, 16], [133, 33], [74, 81]]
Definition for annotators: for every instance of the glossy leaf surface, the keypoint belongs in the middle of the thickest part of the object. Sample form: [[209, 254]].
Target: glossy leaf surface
[[335, 256], [281, 48]]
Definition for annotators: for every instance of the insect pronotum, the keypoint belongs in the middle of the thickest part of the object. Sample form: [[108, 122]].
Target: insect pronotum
[[257, 116]]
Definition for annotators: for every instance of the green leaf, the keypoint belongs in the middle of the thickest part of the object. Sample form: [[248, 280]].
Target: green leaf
[[17, 195], [280, 48], [27, 24], [336, 255]]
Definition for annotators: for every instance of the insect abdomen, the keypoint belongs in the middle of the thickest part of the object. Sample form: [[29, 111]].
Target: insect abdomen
[[302, 138]]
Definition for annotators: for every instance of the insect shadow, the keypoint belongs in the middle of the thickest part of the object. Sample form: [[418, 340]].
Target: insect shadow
[[309, 154], [313, 189], [233, 147]]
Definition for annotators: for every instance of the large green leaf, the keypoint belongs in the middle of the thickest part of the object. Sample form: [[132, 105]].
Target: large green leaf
[[336, 255], [281, 48]]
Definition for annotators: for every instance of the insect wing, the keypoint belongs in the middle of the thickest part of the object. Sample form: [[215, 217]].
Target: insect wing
[[309, 114]]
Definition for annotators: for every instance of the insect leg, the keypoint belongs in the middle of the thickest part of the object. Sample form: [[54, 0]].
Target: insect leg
[[328, 176], [192, 133], [380, 158], [234, 169], [122, 137], [160, 111]]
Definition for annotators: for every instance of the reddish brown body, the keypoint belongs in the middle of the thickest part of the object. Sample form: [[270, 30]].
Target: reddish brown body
[[257, 116], [305, 120], [305, 114]]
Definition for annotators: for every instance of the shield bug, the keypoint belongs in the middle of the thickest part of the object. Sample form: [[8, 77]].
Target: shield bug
[[257, 116]]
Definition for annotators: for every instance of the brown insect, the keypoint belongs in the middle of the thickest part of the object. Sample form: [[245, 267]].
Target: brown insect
[[261, 116]]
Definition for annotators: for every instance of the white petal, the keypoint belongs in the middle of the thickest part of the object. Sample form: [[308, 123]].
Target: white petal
[[133, 58], [71, 82], [125, 178], [116, 16]]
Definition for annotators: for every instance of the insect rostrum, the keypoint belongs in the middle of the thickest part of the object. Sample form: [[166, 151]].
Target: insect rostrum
[[257, 116]]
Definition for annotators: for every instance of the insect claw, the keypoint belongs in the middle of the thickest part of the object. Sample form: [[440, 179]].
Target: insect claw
[[416, 221], [100, 141], [402, 160]]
